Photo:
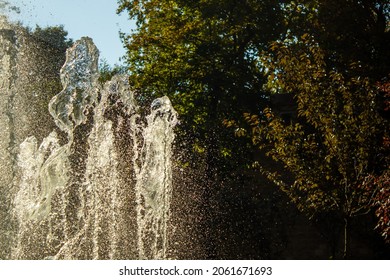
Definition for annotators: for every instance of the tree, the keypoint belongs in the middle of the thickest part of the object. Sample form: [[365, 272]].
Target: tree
[[382, 182], [333, 148], [54, 36], [213, 58], [204, 56], [349, 32], [107, 71]]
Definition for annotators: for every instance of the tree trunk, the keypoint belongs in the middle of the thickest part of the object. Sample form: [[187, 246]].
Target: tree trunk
[[347, 238]]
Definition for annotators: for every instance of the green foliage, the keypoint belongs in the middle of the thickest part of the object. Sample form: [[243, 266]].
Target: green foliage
[[55, 36], [349, 32], [333, 144], [219, 61], [204, 56], [107, 71], [334, 147]]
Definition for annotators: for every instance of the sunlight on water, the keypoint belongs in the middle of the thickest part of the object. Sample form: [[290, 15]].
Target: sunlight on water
[[99, 185], [154, 181]]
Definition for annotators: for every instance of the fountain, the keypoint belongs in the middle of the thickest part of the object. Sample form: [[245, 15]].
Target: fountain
[[28, 79], [154, 181], [87, 173], [99, 184]]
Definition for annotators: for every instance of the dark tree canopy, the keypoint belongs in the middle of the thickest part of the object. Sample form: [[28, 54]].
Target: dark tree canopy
[[54, 36], [204, 56], [222, 61]]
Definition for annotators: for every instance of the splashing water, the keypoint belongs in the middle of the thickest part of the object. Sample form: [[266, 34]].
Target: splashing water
[[99, 186], [154, 181]]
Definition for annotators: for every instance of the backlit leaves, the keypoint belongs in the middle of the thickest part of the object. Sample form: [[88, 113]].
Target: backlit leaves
[[332, 144]]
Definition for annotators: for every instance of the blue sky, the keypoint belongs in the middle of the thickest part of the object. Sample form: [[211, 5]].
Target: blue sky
[[94, 18]]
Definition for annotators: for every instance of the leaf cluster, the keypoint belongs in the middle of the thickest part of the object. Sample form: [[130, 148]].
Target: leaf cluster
[[334, 143], [54, 36], [221, 62], [204, 56]]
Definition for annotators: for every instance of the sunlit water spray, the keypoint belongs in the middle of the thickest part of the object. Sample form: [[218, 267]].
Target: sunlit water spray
[[100, 185], [154, 181]]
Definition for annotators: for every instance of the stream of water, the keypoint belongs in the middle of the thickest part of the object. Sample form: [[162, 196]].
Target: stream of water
[[99, 184]]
